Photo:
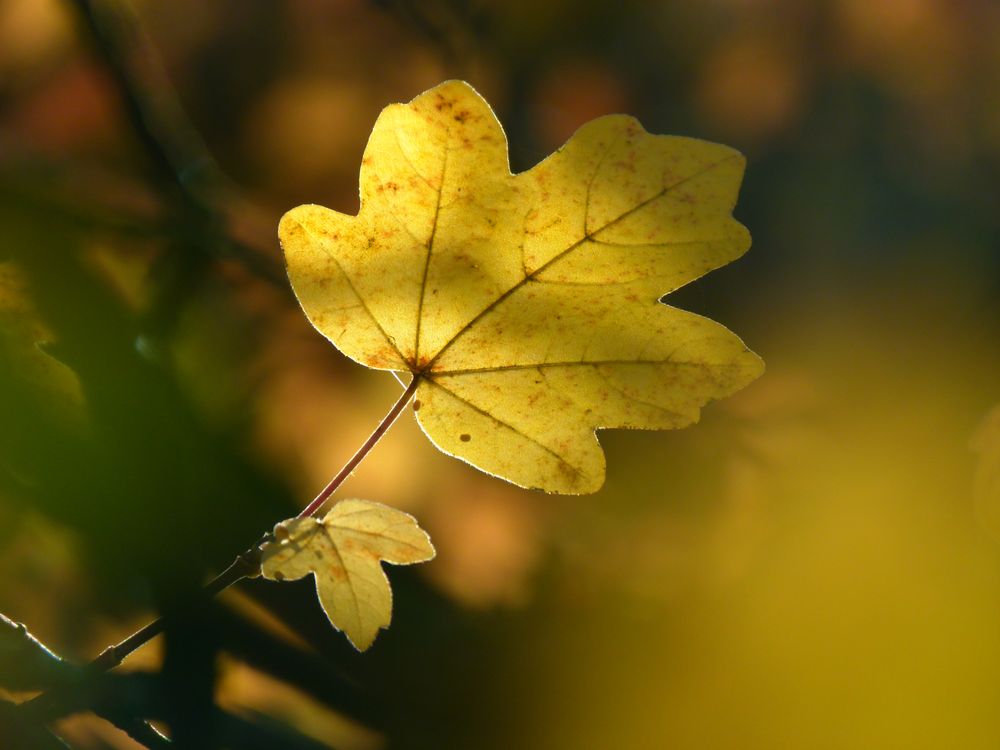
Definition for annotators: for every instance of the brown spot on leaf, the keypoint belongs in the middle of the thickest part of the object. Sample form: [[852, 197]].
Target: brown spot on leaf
[[417, 405], [543, 202]]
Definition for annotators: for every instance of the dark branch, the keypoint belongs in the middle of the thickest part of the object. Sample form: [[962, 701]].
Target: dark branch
[[25, 662]]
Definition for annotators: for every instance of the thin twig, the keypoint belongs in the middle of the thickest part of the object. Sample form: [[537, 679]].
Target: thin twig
[[138, 729], [313, 508], [25, 662], [245, 565]]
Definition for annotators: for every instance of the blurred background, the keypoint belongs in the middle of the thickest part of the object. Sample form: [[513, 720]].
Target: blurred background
[[815, 565]]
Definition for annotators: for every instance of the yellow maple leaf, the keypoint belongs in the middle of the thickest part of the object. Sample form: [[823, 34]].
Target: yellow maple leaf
[[528, 304], [344, 551]]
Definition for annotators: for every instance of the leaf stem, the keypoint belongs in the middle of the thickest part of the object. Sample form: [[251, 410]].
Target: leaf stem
[[243, 566], [46, 704], [313, 508]]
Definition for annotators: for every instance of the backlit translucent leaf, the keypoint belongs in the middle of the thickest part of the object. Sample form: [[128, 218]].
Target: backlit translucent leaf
[[528, 304], [344, 551]]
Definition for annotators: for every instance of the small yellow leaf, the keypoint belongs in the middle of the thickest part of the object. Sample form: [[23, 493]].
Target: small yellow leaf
[[528, 305], [344, 552]]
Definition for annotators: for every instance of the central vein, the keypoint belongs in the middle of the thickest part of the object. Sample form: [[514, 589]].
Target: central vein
[[430, 250]]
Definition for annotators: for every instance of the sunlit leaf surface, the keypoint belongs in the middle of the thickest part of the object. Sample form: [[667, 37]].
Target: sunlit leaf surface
[[344, 551], [528, 304]]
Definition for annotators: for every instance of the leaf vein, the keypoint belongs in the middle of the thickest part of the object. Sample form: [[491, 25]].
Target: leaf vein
[[347, 574], [578, 363], [492, 305], [590, 183], [354, 290], [619, 389], [409, 161], [574, 470], [430, 246]]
